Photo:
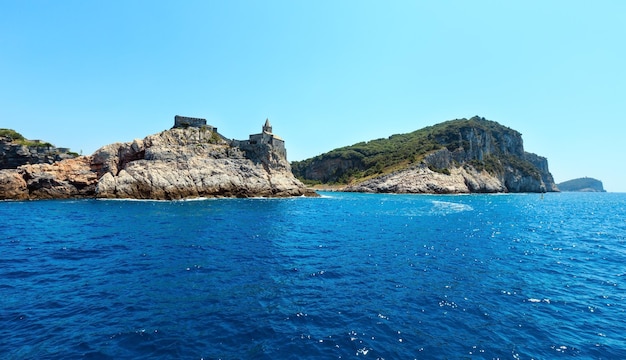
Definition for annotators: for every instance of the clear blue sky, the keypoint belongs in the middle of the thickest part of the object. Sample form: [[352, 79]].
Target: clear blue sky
[[83, 74]]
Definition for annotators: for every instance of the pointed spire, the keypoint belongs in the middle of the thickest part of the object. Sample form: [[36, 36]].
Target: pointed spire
[[267, 127]]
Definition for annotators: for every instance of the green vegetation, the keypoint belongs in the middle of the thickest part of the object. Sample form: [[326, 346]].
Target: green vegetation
[[381, 156], [34, 143], [215, 138], [14, 135], [525, 167], [18, 138], [311, 182], [444, 171]]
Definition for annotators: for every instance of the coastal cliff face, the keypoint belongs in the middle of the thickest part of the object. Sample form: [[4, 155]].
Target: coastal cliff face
[[456, 179], [421, 180], [486, 162], [65, 179], [331, 168], [174, 164], [459, 156]]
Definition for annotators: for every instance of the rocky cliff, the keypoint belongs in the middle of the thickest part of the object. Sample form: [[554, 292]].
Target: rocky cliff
[[458, 156], [16, 153], [174, 164]]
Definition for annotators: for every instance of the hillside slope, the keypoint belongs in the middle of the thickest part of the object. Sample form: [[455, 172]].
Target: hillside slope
[[457, 156], [582, 184]]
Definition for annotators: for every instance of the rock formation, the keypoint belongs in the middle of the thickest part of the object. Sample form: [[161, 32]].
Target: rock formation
[[420, 179], [459, 156], [71, 178], [174, 164], [14, 154]]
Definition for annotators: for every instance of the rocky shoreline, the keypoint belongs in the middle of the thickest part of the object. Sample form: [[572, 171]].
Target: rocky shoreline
[[422, 180], [192, 160], [175, 164], [458, 156]]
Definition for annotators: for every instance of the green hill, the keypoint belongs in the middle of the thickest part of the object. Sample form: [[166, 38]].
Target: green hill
[[585, 184], [381, 156], [461, 155]]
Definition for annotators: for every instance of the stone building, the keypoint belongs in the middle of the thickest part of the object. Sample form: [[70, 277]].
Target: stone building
[[185, 122], [255, 143], [267, 138]]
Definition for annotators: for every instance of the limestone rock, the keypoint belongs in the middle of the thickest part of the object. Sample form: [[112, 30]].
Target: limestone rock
[[184, 163], [457, 156], [71, 178], [12, 185], [174, 164], [422, 180]]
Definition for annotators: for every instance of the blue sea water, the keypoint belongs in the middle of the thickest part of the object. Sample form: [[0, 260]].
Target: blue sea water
[[343, 276]]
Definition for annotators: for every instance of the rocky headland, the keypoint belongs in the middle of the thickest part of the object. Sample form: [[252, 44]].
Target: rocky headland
[[457, 156], [187, 161], [585, 184]]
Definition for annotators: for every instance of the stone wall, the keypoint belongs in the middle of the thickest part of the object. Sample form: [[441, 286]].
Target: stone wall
[[184, 122]]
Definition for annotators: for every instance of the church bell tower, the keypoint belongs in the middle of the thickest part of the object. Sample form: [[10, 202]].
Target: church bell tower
[[267, 128]]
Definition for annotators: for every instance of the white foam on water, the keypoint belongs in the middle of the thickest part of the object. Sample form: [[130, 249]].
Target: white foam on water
[[450, 207]]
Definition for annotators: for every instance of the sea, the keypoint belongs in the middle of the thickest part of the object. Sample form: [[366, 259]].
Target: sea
[[343, 276]]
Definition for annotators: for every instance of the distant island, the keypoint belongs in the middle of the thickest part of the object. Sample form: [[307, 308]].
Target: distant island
[[190, 160], [458, 156], [585, 184]]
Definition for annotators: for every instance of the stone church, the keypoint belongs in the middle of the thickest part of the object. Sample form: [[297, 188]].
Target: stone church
[[266, 137]]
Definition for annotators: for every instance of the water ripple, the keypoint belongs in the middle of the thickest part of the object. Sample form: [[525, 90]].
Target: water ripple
[[343, 276]]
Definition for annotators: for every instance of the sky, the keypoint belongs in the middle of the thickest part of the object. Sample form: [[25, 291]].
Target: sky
[[84, 74]]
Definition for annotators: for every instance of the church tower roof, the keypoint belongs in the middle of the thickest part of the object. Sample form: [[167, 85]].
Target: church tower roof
[[267, 127]]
